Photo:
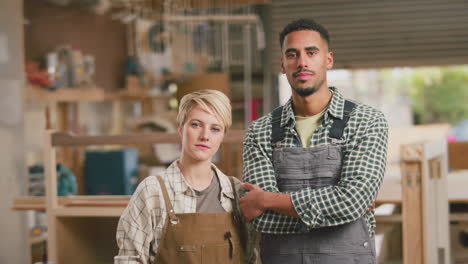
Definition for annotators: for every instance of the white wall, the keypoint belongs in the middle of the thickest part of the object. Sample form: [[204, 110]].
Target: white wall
[[13, 246]]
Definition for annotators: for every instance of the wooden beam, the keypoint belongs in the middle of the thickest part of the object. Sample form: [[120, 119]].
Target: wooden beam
[[67, 139], [149, 5], [85, 94]]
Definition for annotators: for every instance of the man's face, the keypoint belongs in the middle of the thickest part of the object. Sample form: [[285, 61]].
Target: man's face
[[305, 60]]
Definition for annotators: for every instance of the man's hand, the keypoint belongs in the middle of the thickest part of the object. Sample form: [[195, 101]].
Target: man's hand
[[252, 204]]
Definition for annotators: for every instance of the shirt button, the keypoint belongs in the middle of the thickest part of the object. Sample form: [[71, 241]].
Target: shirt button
[[366, 244]]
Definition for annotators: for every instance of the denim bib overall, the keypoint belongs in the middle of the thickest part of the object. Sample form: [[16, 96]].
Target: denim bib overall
[[315, 167]]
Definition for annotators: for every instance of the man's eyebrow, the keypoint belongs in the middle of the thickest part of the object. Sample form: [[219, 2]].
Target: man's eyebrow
[[312, 48], [290, 50]]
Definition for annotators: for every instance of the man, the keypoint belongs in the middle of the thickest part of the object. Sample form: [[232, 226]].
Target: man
[[314, 166]]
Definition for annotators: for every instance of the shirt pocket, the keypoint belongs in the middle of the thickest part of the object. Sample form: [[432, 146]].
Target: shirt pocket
[[292, 179]]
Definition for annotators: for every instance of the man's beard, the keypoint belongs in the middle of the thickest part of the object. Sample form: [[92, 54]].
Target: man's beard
[[304, 92]]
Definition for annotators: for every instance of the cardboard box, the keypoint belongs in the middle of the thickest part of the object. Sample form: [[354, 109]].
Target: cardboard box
[[215, 81]]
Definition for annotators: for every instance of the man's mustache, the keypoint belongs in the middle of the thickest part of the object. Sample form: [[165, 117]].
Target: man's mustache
[[302, 71]]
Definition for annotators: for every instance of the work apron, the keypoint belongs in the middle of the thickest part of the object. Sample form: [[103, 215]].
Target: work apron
[[199, 237], [316, 167]]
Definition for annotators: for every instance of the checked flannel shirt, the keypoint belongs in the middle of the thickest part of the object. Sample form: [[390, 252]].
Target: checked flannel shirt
[[141, 224], [364, 161]]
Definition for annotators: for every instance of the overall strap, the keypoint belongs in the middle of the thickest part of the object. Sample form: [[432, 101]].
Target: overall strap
[[339, 125], [277, 132], [231, 179], [236, 212], [170, 211], [235, 208]]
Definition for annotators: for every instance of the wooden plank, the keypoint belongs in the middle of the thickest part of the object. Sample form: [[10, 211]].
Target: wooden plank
[[393, 218], [439, 169], [412, 213], [67, 139], [87, 94], [85, 203], [150, 6], [29, 203], [51, 194], [458, 155], [39, 203], [65, 94], [88, 211]]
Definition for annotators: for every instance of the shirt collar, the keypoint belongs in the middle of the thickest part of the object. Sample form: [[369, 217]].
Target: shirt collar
[[335, 108], [174, 176]]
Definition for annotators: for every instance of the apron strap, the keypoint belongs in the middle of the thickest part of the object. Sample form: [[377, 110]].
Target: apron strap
[[170, 211], [231, 179], [277, 132], [338, 126], [235, 208]]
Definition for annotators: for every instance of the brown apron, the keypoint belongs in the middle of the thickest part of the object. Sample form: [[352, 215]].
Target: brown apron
[[199, 237]]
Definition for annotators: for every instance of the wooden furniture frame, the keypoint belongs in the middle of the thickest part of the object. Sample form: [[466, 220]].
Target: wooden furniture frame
[[425, 203], [425, 213], [81, 229]]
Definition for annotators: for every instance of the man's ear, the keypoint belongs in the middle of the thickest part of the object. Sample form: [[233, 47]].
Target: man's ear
[[330, 60], [281, 65]]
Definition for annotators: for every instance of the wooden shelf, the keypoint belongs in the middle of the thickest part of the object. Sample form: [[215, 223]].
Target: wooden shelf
[[29, 203], [88, 211], [77, 205], [86, 94]]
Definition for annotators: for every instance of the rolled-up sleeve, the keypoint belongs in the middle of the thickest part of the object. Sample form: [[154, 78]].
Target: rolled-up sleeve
[[361, 177], [362, 173]]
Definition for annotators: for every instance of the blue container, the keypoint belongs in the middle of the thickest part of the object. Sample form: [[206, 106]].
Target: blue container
[[111, 172]]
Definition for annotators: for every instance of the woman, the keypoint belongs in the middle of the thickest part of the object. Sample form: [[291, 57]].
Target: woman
[[189, 213]]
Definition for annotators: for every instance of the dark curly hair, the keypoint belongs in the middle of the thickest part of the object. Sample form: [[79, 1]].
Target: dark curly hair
[[304, 24]]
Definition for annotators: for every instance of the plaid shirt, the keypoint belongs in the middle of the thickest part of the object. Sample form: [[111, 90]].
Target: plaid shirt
[[364, 160], [141, 224]]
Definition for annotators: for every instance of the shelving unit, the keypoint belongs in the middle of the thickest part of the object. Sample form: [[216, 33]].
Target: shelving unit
[[87, 224], [81, 229]]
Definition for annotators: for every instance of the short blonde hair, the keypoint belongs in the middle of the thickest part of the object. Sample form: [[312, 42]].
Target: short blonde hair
[[213, 101]]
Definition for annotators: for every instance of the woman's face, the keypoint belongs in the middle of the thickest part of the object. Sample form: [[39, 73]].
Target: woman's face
[[202, 134]]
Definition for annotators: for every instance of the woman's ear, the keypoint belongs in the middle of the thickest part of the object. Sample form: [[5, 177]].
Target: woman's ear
[[179, 130]]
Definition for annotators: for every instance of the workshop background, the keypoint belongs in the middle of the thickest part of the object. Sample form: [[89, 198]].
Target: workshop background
[[89, 91]]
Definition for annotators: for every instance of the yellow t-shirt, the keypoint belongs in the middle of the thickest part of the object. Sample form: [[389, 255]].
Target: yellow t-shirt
[[306, 126]]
